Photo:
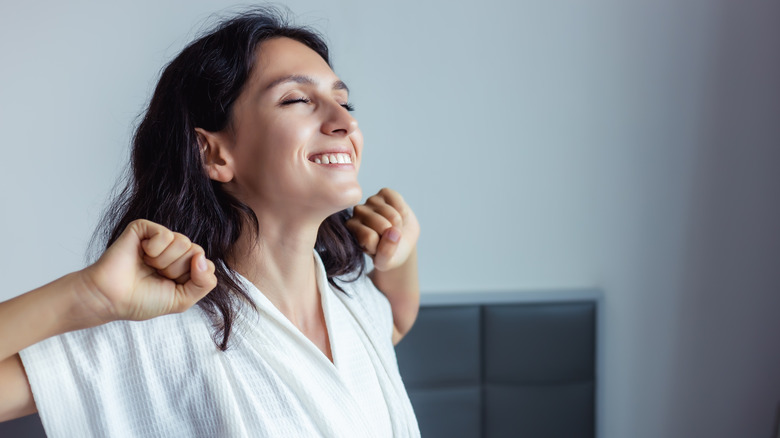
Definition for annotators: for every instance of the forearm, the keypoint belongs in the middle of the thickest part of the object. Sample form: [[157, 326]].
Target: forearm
[[28, 319], [401, 285], [41, 313]]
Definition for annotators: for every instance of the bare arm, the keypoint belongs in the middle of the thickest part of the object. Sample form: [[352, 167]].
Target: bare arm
[[402, 289], [387, 229], [149, 271], [24, 321]]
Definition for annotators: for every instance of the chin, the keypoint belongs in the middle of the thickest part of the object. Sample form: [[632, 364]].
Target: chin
[[352, 196], [336, 200]]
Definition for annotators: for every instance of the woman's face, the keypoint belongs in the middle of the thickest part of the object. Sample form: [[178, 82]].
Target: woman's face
[[295, 147]]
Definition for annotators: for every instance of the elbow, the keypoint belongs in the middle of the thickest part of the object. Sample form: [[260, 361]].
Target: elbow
[[404, 319]]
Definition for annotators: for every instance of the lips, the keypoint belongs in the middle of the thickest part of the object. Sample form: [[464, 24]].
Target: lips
[[331, 158]]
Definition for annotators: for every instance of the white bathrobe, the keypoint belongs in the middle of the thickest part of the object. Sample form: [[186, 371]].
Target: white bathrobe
[[166, 378]]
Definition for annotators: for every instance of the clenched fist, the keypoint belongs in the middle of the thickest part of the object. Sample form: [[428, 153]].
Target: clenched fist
[[149, 271], [386, 228]]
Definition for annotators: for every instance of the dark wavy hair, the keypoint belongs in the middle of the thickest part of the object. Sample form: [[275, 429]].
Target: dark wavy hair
[[167, 182]]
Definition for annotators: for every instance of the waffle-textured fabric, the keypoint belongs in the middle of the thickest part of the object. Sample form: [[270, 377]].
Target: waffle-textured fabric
[[165, 377]]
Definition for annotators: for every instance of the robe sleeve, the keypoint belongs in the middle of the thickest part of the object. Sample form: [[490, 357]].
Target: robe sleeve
[[106, 380]]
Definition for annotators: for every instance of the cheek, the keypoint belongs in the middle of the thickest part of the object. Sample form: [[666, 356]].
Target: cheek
[[289, 134], [281, 151], [276, 149]]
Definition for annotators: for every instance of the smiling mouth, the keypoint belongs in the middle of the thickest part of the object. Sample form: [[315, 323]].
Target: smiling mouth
[[338, 158]]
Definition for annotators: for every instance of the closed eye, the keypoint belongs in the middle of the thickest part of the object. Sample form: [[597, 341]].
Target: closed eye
[[296, 100], [346, 106]]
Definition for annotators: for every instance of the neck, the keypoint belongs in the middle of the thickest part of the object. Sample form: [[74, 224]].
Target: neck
[[280, 262]]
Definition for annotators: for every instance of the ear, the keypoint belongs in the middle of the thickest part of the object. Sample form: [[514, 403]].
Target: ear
[[215, 154]]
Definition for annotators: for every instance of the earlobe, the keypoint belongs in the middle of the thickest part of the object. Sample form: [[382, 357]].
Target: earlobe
[[215, 155]]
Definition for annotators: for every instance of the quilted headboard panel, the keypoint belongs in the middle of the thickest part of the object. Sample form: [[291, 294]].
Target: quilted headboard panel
[[503, 365]]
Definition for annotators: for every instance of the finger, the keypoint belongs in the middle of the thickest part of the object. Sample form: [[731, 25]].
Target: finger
[[367, 238], [379, 205], [369, 217], [394, 199], [180, 267], [154, 238], [136, 233], [175, 250], [387, 247], [202, 281]]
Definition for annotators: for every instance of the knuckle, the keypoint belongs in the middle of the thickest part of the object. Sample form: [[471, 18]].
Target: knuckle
[[364, 234], [394, 197], [390, 195], [165, 272], [354, 227], [181, 242], [368, 241], [383, 224], [182, 238], [375, 200], [168, 235], [395, 217], [152, 262], [360, 210]]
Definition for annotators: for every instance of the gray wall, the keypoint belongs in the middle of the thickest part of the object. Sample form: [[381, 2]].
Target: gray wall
[[629, 145]]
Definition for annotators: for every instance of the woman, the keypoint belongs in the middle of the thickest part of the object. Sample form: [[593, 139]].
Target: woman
[[249, 149]]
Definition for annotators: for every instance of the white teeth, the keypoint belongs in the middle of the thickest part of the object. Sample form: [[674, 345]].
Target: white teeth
[[339, 158]]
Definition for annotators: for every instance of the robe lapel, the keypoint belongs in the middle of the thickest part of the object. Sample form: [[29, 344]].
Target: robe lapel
[[401, 413], [304, 370]]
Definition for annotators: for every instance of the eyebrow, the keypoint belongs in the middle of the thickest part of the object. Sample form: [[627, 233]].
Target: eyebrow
[[307, 80]]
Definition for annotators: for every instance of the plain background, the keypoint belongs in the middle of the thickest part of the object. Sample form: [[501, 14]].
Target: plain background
[[632, 145]]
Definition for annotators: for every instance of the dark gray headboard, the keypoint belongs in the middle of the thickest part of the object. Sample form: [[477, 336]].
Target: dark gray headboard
[[25, 427], [504, 364]]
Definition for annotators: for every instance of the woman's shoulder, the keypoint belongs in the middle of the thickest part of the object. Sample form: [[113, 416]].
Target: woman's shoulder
[[121, 344], [126, 371], [361, 295]]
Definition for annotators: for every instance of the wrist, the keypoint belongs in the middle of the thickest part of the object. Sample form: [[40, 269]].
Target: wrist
[[408, 265], [87, 305], [403, 277]]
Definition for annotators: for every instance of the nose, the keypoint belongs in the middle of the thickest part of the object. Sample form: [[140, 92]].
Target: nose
[[338, 121]]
